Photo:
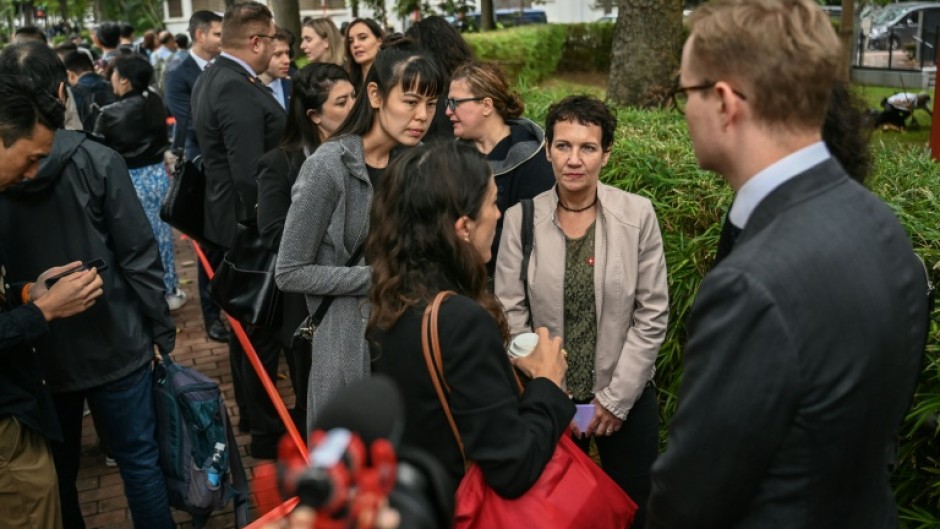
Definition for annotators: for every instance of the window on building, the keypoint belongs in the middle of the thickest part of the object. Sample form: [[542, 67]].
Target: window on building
[[209, 5], [314, 5], [175, 8]]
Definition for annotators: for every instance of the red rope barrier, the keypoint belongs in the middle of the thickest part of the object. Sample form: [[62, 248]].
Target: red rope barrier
[[286, 507]]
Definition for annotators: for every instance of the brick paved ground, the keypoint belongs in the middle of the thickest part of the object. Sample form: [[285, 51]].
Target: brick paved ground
[[101, 491]]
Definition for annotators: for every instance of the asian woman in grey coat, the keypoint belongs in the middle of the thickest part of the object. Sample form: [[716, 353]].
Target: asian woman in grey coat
[[328, 220]]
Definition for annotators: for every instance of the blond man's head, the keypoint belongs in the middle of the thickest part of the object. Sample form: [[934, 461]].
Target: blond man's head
[[783, 54]]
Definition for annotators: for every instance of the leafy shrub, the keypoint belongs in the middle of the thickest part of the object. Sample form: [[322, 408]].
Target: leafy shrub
[[652, 156], [587, 48], [527, 53]]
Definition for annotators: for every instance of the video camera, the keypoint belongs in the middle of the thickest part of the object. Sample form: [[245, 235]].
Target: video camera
[[355, 466], [343, 480]]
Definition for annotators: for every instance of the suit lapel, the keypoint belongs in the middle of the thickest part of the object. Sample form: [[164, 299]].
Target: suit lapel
[[255, 81], [807, 184]]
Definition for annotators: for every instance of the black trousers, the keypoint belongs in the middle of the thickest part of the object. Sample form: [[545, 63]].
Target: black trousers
[[628, 454], [210, 311], [254, 404]]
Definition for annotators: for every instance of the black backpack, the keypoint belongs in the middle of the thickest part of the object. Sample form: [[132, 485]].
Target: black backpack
[[198, 454]]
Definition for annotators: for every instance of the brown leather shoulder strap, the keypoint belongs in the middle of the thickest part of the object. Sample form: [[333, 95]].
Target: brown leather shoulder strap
[[434, 361]]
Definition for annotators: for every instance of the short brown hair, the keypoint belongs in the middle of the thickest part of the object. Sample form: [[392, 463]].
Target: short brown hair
[[242, 20], [487, 79], [769, 49]]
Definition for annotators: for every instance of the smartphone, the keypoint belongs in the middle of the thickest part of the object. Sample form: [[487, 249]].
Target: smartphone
[[94, 263]]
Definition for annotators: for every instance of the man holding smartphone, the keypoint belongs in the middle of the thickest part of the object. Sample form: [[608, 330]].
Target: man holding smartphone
[[81, 204], [28, 486]]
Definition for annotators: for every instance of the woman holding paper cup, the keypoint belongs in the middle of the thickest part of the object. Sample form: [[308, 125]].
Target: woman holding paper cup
[[596, 277], [446, 196]]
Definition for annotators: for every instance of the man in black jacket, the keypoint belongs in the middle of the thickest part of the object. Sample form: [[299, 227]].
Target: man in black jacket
[[81, 205], [237, 120], [28, 489]]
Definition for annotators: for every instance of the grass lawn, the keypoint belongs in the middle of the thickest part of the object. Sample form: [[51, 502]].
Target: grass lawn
[[595, 84], [917, 136]]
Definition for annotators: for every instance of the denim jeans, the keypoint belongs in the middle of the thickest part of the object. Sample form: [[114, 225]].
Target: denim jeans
[[125, 409]]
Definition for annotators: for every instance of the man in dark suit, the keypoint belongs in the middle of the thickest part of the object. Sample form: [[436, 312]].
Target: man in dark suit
[[205, 28], [805, 341], [237, 120], [276, 76]]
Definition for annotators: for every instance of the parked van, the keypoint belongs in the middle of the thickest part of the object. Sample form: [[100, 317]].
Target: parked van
[[508, 18], [897, 26]]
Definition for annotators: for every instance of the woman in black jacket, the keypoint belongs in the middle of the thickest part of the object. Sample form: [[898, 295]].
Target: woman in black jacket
[[322, 98], [445, 197], [135, 127]]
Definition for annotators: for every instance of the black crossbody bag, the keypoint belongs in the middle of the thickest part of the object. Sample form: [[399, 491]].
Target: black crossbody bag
[[309, 326]]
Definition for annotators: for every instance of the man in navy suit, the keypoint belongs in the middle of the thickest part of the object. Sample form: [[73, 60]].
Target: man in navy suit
[[277, 75], [205, 28], [237, 120], [805, 341]]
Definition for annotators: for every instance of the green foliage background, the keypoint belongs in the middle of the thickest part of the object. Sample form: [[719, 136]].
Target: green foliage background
[[653, 157]]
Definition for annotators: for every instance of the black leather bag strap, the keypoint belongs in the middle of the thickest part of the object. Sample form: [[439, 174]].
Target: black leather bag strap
[[316, 318], [528, 228]]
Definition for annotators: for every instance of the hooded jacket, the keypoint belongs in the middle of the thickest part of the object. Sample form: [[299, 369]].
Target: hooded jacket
[[521, 170], [81, 206]]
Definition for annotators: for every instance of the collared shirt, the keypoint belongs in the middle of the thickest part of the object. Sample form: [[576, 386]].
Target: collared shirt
[[200, 62], [277, 89], [763, 183], [161, 54], [243, 64]]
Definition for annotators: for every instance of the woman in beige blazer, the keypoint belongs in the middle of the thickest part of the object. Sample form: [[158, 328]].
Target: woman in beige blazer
[[596, 277]]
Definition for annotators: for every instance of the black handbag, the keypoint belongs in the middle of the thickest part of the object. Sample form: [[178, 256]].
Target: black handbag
[[184, 204], [244, 285]]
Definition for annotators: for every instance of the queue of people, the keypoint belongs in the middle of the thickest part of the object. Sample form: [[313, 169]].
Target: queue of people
[[804, 340]]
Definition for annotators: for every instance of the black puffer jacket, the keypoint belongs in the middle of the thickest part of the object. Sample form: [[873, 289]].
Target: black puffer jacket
[[81, 206], [135, 127]]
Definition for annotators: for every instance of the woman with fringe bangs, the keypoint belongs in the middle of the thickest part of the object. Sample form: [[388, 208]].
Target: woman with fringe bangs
[[446, 197], [328, 219]]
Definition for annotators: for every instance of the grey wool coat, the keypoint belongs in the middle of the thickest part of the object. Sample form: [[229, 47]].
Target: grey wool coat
[[327, 221]]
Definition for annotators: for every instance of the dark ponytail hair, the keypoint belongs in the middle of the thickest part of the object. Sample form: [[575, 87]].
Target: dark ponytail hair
[[138, 72], [427, 188], [136, 69], [399, 64], [311, 88]]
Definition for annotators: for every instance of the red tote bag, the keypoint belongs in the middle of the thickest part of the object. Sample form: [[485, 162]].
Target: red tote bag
[[572, 492]]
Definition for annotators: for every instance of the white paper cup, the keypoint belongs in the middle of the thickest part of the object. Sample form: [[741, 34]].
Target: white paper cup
[[523, 345]]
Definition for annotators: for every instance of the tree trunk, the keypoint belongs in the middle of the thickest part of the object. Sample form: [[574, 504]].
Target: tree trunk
[[487, 15], [287, 16], [646, 49], [846, 34]]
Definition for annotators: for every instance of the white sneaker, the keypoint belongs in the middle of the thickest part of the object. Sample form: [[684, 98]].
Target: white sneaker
[[176, 300], [110, 462]]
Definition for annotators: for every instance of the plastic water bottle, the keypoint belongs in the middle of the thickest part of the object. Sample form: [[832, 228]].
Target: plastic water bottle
[[214, 469]]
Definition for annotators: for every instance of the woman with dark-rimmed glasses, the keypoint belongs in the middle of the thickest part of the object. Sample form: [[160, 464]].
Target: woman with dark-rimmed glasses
[[486, 114]]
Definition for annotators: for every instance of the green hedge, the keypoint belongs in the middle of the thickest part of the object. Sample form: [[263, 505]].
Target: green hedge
[[528, 53], [587, 48], [653, 157]]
